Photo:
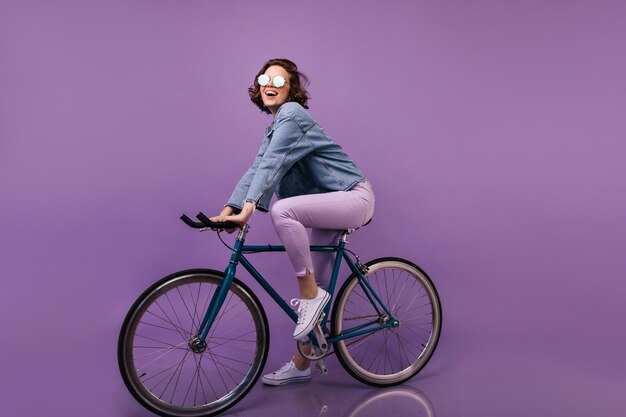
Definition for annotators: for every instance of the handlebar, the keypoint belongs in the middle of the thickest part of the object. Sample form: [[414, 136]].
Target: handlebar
[[206, 222]]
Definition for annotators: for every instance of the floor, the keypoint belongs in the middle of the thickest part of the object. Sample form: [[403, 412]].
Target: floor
[[468, 376]]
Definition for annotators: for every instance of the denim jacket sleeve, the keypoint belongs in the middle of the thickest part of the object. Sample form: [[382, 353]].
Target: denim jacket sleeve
[[287, 146], [241, 190]]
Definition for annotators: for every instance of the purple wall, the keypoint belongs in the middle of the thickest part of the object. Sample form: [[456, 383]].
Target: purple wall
[[493, 132]]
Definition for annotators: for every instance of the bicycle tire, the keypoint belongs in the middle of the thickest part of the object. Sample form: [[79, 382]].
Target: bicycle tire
[[393, 355], [155, 356]]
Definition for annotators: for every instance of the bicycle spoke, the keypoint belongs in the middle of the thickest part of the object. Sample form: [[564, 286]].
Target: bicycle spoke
[[156, 351], [177, 380], [160, 327], [176, 314], [196, 313], [182, 299], [393, 291], [411, 342], [172, 348], [387, 288], [179, 370], [160, 341], [218, 370], [363, 306], [402, 291], [231, 359], [199, 380], [415, 332], [180, 330], [188, 390], [387, 355], [232, 370], [176, 328], [361, 340], [208, 380], [208, 300], [401, 350], [225, 311], [179, 364], [419, 317], [234, 320], [231, 339]]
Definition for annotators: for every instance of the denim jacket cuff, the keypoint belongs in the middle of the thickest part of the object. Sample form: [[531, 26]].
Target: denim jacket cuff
[[237, 207], [259, 205]]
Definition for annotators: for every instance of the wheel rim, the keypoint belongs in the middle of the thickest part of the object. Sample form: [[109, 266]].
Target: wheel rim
[[167, 367], [391, 355]]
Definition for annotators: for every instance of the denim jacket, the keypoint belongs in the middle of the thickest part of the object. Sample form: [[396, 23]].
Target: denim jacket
[[296, 157]]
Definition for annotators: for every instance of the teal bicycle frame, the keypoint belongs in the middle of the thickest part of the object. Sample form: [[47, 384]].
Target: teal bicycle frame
[[237, 257]]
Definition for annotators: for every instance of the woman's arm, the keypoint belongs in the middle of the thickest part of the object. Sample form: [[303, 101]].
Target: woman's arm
[[238, 196], [235, 203]]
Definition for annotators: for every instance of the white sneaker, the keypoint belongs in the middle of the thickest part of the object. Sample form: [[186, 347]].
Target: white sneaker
[[309, 312], [286, 375]]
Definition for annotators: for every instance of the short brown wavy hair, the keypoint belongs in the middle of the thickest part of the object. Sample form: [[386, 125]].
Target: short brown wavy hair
[[297, 84]]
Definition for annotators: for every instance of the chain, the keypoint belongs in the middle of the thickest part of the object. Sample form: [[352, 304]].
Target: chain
[[363, 317]]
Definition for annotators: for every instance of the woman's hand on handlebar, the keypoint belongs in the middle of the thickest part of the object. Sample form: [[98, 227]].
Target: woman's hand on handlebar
[[242, 218], [222, 217], [226, 215]]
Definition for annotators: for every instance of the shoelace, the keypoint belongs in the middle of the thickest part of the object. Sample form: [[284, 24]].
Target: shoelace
[[301, 308], [286, 367]]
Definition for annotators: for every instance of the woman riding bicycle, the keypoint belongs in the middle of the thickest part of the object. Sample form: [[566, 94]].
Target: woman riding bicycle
[[317, 185]]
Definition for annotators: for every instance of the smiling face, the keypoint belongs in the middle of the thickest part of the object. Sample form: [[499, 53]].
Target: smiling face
[[273, 97]]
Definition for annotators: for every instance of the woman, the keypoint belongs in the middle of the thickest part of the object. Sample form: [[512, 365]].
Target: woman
[[317, 185]]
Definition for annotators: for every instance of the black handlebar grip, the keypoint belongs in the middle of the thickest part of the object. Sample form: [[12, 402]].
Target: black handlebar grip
[[215, 225], [191, 223]]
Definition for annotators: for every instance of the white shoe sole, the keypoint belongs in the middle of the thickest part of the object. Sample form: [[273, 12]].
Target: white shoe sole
[[293, 380]]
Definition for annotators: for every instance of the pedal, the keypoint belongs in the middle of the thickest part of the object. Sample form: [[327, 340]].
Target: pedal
[[320, 367]]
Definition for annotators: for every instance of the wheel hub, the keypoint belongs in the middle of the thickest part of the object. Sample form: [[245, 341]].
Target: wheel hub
[[196, 345], [385, 319]]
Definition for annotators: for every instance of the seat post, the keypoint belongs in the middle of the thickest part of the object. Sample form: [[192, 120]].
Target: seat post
[[346, 233]]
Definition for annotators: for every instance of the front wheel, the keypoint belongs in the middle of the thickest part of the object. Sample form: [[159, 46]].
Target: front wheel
[[161, 360], [391, 355]]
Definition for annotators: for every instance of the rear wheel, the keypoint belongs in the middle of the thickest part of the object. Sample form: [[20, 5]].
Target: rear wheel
[[395, 354], [164, 365]]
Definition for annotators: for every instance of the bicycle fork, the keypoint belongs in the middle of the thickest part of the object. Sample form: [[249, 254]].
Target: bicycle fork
[[198, 342]]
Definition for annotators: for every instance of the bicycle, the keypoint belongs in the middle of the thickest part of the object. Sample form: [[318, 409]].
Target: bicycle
[[195, 342]]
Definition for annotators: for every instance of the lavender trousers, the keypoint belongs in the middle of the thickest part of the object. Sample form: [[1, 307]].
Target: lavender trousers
[[327, 215]]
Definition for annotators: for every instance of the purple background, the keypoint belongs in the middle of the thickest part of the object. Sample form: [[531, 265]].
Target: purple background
[[493, 132]]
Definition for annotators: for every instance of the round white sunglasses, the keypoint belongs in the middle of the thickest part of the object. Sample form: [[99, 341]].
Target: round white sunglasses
[[264, 80]]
